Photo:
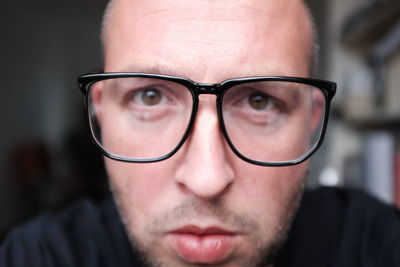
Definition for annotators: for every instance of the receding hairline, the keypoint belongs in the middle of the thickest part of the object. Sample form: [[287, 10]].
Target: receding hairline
[[314, 46]]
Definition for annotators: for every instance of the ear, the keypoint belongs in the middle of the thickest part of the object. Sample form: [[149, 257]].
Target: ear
[[96, 96], [318, 109]]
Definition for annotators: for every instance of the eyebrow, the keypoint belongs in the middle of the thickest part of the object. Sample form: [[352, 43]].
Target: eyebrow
[[155, 69], [181, 71]]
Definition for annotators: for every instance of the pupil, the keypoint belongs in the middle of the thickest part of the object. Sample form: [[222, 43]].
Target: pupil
[[258, 101], [151, 97]]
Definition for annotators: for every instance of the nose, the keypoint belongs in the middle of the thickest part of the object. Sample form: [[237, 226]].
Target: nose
[[205, 170]]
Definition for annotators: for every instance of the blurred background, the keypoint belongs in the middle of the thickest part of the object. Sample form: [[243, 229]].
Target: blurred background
[[47, 160]]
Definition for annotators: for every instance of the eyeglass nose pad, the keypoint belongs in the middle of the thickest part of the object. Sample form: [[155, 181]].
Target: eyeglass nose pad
[[204, 88]]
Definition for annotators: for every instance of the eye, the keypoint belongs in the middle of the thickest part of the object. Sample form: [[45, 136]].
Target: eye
[[150, 97], [259, 101]]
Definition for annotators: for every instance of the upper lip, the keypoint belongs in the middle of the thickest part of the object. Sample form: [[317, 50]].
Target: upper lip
[[196, 230]]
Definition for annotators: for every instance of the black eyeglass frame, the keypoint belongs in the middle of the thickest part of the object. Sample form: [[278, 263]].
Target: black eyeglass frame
[[328, 89]]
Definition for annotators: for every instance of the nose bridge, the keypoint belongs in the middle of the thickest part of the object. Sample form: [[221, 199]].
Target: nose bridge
[[205, 170], [207, 88]]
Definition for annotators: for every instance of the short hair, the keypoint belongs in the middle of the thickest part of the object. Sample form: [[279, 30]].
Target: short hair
[[314, 49], [105, 20]]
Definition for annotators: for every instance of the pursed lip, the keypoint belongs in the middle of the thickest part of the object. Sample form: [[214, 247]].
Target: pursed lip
[[203, 245], [200, 231]]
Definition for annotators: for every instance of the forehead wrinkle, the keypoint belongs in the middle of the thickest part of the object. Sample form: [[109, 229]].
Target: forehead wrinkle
[[197, 29], [205, 9]]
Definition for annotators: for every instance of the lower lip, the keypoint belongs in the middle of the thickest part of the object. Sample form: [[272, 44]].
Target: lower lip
[[203, 249]]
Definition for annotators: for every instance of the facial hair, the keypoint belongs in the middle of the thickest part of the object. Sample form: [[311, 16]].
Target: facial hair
[[265, 250]]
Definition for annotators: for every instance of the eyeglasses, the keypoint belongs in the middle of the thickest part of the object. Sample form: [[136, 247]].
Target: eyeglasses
[[268, 121]]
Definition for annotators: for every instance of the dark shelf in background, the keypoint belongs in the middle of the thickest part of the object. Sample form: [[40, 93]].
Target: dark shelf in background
[[375, 122], [368, 23]]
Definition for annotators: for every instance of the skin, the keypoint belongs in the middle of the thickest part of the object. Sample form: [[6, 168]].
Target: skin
[[205, 184]]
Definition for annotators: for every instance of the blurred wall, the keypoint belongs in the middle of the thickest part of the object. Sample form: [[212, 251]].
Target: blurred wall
[[44, 46]]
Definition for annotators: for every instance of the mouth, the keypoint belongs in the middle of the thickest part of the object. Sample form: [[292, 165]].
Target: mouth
[[200, 245]]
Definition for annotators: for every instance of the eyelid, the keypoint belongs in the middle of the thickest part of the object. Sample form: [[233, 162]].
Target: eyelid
[[135, 94], [270, 101], [243, 93]]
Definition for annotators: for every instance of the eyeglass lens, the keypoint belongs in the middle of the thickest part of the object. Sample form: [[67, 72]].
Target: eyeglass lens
[[144, 118], [273, 121]]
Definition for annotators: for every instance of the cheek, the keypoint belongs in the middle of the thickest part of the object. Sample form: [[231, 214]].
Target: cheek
[[139, 188], [272, 192]]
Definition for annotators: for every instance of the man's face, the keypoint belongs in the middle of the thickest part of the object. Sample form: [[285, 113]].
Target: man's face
[[205, 205]]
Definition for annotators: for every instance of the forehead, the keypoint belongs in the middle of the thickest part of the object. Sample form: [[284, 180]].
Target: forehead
[[208, 40]]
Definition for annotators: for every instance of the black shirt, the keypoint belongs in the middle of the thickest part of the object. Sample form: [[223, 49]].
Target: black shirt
[[334, 227]]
